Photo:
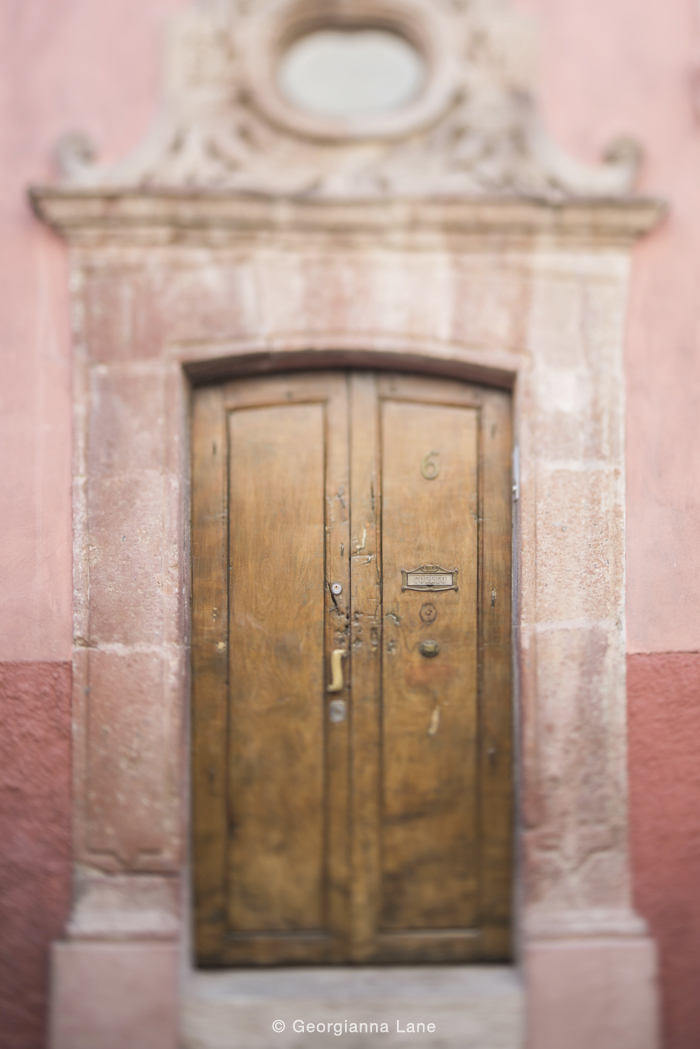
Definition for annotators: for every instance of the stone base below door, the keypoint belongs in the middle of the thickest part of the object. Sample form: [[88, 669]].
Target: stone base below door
[[472, 1007], [597, 993], [113, 995]]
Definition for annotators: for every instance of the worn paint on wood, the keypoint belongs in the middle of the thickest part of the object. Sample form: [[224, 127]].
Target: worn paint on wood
[[377, 829]]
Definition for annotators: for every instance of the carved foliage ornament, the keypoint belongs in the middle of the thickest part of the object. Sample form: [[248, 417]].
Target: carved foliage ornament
[[474, 130]]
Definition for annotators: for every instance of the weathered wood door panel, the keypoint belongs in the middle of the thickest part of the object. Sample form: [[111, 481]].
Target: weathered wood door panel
[[429, 717], [369, 515], [270, 773], [276, 738]]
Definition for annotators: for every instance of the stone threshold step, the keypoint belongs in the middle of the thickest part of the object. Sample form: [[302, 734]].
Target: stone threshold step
[[471, 1007]]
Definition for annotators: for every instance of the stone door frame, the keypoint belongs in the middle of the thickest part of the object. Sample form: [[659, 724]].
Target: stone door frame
[[170, 289]]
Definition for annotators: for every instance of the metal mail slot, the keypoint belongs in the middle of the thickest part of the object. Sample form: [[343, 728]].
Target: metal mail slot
[[429, 578]]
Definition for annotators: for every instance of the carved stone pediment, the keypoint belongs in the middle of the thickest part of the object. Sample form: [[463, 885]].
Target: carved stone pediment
[[474, 131]]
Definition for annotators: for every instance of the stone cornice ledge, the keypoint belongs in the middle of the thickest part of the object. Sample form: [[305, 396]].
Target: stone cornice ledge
[[92, 217]]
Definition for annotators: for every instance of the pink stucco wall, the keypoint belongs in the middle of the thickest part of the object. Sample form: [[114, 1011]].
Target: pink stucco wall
[[664, 729], [65, 64], [620, 66], [35, 837], [608, 66]]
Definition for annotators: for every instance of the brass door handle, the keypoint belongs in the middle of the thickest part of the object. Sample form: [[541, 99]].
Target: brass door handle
[[337, 658]]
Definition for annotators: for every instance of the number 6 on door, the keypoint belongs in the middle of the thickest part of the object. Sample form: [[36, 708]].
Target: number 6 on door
[[428, 467]]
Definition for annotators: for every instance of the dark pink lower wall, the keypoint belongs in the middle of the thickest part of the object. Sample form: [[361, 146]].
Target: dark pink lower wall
[[664, 761], [34, 840]]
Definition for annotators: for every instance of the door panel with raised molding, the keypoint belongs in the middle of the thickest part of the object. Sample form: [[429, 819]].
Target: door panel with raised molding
[[352, 741]]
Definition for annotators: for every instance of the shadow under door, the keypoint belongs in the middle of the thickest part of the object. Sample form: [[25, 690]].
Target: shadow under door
[[352, 698]]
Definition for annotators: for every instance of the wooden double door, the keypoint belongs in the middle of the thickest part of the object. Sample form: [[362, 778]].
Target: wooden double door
[[352, 739]]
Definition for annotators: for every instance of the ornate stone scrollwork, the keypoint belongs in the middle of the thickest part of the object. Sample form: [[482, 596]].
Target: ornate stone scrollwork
[[474, 131]]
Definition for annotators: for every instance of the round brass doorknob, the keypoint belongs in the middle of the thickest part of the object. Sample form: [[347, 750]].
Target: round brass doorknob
[[429, 649]]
